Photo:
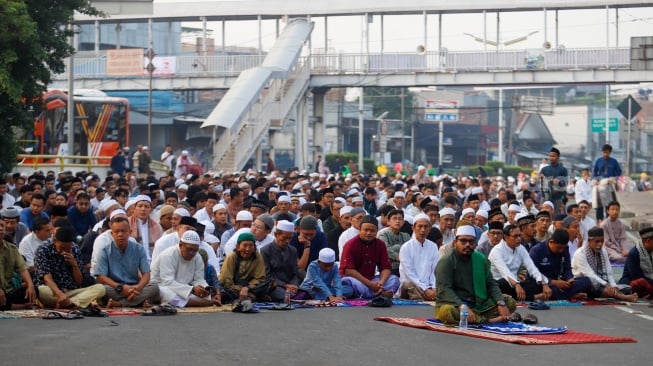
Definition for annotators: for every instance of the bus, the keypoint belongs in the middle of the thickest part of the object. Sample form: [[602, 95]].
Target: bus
[[100, 127]]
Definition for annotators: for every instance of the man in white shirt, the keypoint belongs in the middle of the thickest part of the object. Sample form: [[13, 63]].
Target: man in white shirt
[[173, 239], [179, 272], [33, 241], [586, 222], [417, 260], [357, 215], [583, 188], [506, 259]]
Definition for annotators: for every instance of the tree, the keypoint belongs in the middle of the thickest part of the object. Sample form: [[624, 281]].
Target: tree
[[33, 46]]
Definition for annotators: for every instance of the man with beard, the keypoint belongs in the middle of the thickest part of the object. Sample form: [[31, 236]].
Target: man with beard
[[280, 260], [464, 275]]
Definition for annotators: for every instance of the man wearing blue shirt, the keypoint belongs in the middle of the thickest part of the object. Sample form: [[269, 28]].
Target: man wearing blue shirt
[[552, 260], [605, 167], [117, 267], [34, 210]]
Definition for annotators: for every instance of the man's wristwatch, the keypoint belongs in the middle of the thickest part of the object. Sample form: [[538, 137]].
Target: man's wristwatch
[[501, 303], [119, 287]]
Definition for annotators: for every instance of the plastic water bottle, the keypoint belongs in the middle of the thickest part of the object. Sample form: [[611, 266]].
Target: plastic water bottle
[[464, 313], [287, 297]]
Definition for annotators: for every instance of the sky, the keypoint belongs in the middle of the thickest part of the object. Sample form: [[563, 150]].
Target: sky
[[404, 33]]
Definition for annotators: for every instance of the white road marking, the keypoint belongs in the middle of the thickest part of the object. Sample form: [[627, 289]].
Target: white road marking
[[634, 312]]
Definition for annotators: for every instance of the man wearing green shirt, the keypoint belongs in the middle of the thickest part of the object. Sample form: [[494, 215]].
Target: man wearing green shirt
[[13, 293], [463, 275]]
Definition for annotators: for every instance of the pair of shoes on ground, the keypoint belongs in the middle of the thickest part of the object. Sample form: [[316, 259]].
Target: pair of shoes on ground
[[527, 319], [538, 305], [243, 306], [161, 310]]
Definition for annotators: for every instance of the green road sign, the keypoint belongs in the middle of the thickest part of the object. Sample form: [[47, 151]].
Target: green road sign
[[598, 124]]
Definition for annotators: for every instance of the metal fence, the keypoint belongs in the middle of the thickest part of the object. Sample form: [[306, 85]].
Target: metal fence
[[94, 65]]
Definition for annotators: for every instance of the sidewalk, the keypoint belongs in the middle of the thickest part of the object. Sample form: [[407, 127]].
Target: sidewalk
[[636, 209]]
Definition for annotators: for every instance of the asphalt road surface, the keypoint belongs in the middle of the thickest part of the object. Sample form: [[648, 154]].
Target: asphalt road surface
[[326, 336]]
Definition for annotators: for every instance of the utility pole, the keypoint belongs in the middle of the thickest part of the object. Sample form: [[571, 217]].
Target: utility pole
[[403, 125]]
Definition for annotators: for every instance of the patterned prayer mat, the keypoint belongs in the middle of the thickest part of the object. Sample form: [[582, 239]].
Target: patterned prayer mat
[[508, 328], [569, 337]]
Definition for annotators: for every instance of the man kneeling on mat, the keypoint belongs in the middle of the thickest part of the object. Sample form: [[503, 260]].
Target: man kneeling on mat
[[463, 275]]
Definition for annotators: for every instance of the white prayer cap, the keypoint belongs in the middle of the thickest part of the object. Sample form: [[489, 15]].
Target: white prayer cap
[[400, 194], [130, 203], [227, 191], [184, 152], [345, 210], [179, 182], [341, 200], [477, 190], [142, 197], [209, 228], [296, 186], [520, 215], [511, 179], [302, 201], [219, 206], [465, 230], [514, 207], [285, 225], [106, 205], [274, 189], [355, 185], [117, 212], [466, 211], [353, 192], [421, 167], [482, 213], [283, 198], [304, 182], [421, 216], [210, 238], [327, 255], [244, 216], [447, 211], [409, 219], [242, 185], [181, 212], [182, 187], [548, 203], [357, 199], [191, 237]]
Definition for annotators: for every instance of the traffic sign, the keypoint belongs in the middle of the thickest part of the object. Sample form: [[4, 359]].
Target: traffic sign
[[634, 107], [598, 124]]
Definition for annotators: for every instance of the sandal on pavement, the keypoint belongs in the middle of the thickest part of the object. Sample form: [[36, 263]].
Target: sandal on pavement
[[161, 310], [63, 315], [530, 319], [538, 305]]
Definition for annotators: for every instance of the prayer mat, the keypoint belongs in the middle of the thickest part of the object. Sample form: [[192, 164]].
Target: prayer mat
[[508, 328], [124, 311], [569, 337], [402, 302], [357, 302], [31, 313], [206, 309]]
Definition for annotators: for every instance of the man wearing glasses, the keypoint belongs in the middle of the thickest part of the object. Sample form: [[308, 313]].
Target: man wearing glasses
[[464, 275], [507, 257], [494, 237]]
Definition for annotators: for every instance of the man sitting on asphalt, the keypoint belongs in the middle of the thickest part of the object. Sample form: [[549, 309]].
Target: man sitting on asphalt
[[418, 258], [553, 260], [393, 237], [638, 271], [616, 241], [12, 296], [356, 215], [592, 261], [124, 270], [507, 258], [494, 237], [280, 260], [360, 259], [242, 275], [179, 272], [307, 241], [59, 275], [464, 275]]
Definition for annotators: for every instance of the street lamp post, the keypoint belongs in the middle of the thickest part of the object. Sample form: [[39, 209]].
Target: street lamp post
[[150, 70]]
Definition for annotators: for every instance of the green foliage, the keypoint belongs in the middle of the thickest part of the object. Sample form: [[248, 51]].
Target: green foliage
[[388, 99], [33, 45]]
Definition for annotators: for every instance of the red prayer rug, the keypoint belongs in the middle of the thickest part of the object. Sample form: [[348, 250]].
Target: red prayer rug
[[569, 337]]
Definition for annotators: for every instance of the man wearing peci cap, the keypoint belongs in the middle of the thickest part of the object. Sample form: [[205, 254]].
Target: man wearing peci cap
[[592, 261], [280, 260], [361, 257], [145, 230], [179, 273], [15, 230], [322, 281], [463, 276], [638, 270], [243, 274]]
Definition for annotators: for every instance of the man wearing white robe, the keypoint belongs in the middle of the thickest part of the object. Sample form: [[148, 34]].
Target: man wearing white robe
[[417, 260], [179, 272], [172, 240]]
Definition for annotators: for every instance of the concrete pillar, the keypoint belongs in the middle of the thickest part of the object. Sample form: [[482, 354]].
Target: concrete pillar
[[318, 123]]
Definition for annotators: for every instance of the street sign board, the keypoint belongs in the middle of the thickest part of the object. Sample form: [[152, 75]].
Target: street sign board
[[634, 107], [598, 124], [441, 110]]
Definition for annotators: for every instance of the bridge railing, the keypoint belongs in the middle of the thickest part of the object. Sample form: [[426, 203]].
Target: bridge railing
[[91, 65]]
